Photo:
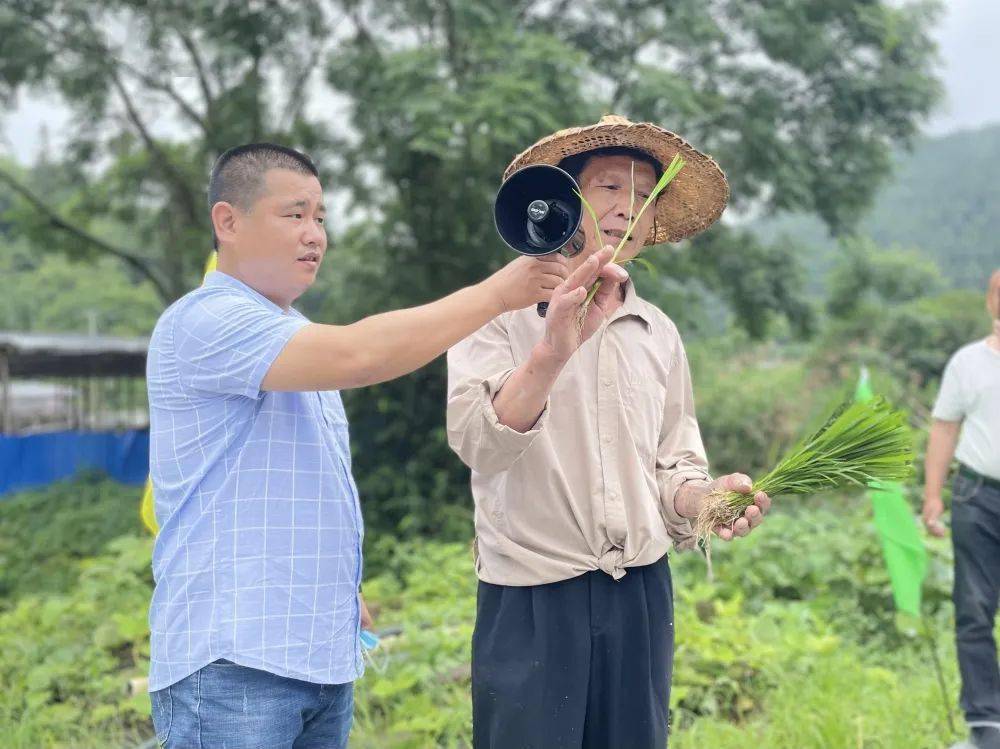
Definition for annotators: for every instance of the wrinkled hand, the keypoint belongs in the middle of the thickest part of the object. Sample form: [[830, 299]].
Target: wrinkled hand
[[563, 334], [752, 516], [690, 501], [933, 510]]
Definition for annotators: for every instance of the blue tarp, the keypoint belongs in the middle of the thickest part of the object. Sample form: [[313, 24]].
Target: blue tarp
[[40, 459]]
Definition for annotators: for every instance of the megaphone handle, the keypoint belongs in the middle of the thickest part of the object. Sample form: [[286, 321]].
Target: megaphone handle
[[542, 308]]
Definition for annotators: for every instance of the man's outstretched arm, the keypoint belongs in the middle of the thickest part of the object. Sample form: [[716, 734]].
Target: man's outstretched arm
[[391, 344]]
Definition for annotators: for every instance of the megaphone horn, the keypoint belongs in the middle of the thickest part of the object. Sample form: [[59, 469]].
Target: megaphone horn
[[537, 212]]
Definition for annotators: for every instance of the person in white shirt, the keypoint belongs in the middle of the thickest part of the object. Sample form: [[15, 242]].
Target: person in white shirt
[[967, 427]]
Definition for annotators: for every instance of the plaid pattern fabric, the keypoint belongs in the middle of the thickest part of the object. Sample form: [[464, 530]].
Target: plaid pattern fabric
[[258, 559]]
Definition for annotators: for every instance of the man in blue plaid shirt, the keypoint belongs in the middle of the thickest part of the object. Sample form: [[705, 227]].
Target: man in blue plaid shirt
[[256, 614]]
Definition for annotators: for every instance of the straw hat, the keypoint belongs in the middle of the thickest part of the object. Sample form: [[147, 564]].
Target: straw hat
[[691, 203]]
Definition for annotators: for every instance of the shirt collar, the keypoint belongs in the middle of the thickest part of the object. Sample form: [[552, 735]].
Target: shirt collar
[[633, 305], [218, 278]]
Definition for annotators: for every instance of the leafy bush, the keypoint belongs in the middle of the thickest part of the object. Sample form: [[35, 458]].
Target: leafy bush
[[752, 404], [867, 278], [422, 700], [839, 697], [924, 333], [793, 645], [65, 659], [912, 341], [43, 533], [825, 553]]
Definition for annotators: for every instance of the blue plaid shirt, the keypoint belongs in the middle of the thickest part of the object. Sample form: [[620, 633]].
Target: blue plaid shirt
[[258, 559]]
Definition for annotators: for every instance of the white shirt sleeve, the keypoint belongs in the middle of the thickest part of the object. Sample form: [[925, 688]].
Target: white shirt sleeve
[[953, 399]]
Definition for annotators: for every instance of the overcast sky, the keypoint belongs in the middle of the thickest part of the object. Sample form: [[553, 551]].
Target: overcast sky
[[968, 35]]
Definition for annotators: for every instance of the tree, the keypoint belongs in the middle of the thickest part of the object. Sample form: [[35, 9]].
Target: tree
[[132, 182], [45, 292], [867, 278], [800, 102]]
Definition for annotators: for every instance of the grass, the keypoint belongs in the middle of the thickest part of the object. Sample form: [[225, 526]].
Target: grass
[[843, 702]]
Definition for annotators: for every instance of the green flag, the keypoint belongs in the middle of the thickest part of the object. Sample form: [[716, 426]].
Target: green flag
[[902, 546]]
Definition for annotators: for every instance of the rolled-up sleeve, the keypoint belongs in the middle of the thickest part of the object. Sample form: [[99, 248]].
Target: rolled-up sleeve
[[680, 455], [478, 367]]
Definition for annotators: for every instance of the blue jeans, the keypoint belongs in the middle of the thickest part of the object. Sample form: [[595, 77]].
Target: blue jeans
[[975, 533], [228, 706]]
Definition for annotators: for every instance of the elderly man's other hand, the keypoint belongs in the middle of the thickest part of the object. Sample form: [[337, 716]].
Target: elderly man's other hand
[[691, 496]]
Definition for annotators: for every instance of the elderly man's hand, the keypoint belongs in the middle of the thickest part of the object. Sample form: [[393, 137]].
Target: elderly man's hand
[[691, 496], [563, 333]]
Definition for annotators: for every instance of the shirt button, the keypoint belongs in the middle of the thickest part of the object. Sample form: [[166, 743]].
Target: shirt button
[[613, 497], [607, 382], [608, 439]]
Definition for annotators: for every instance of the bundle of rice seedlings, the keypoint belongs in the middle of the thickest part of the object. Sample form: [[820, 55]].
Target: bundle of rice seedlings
[[859, 444]]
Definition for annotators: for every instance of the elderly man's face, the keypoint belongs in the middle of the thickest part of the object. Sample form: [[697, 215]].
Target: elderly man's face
[[606, 184]]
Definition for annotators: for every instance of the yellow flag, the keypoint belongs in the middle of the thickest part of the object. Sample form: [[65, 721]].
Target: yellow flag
[[146, 508]]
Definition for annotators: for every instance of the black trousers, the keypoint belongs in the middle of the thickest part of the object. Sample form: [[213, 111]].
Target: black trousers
[[578, 664], [975, 532]]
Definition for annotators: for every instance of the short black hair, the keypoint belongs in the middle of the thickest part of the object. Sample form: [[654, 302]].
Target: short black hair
[[238, 175], [576, 163]]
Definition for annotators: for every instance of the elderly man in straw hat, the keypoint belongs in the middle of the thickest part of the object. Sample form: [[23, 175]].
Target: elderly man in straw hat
[[587, 466], [967, 427]]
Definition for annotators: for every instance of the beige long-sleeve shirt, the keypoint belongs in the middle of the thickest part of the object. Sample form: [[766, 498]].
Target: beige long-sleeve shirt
[[591, 485]]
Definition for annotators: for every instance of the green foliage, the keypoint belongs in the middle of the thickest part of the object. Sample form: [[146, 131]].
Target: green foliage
[[792, 645], [751, 402], [912, 340], [723, 662], [935, 204], [841, 576], [839, 698], [804, 607], [762, 285], [867, 278], [46, 292], [422, 699], [122, 188], [45, 533], [65, 659], [925, 332], [438, 121], [432, 102]]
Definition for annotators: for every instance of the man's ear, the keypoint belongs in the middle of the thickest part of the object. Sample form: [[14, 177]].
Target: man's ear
[[224, 220]]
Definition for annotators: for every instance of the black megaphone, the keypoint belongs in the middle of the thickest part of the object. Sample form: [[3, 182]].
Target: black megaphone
[[538, 211]]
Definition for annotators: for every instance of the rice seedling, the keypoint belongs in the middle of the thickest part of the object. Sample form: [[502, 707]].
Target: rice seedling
[[859, 444]]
